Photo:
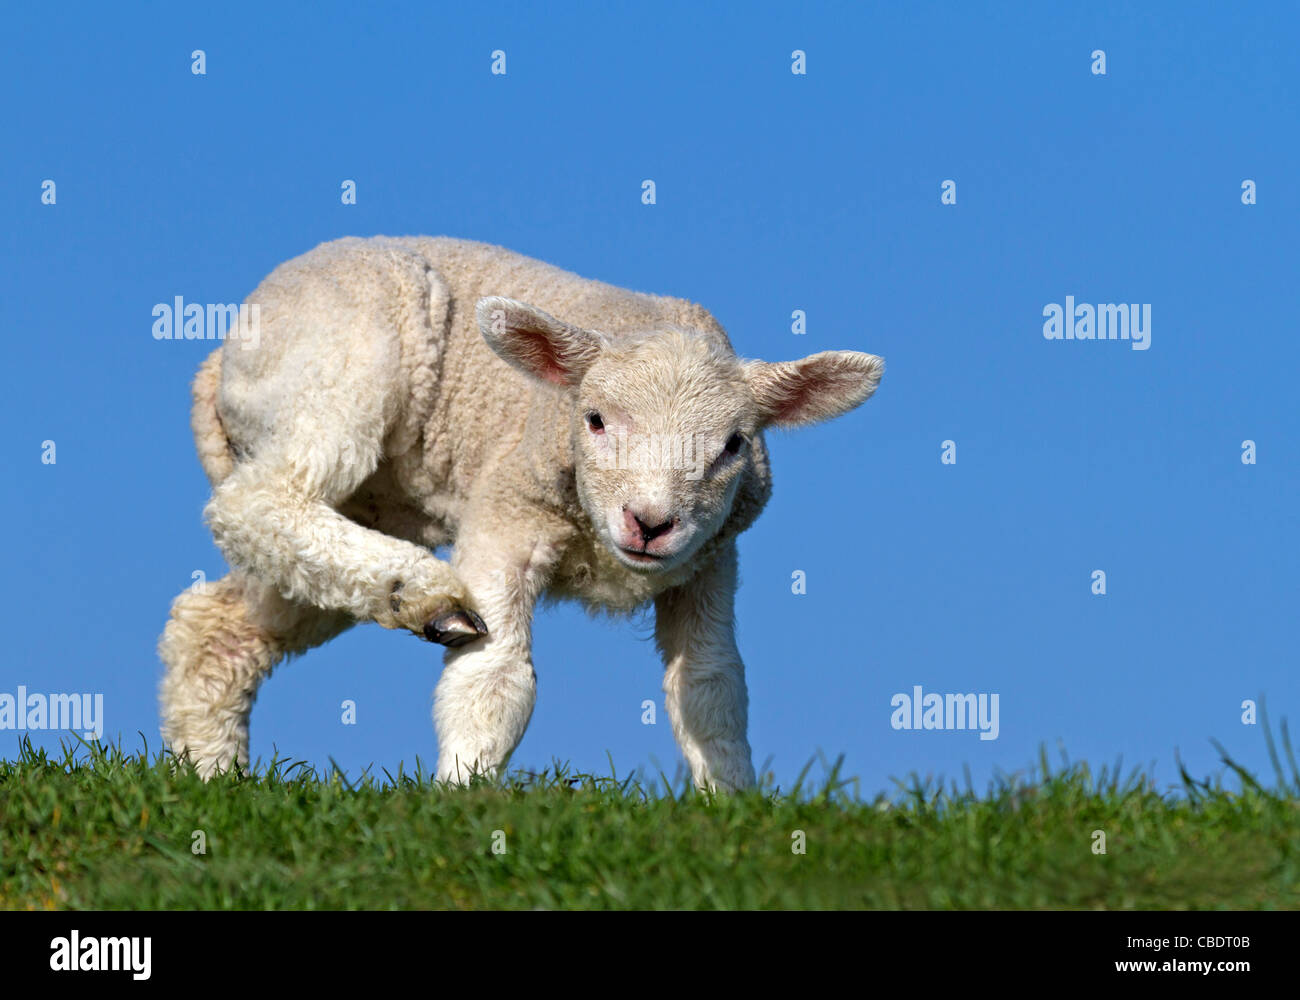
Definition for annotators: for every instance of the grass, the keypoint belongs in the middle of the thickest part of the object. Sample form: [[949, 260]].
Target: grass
[[103, 829]]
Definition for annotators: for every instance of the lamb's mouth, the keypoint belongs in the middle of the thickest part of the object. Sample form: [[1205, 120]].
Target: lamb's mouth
[[640, 557]]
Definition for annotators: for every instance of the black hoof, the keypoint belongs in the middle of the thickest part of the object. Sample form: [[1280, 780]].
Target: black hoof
[[455, 628]]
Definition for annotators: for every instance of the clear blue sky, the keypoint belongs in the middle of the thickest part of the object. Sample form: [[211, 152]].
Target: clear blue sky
[[775, 192]]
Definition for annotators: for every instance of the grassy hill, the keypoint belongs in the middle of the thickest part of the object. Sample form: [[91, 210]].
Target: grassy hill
[[98, 828]]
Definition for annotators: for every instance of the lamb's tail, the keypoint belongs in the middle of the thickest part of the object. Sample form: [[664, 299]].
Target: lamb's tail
[[209, 433]]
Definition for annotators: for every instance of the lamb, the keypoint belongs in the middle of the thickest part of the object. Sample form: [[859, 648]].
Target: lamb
[[409, 393]]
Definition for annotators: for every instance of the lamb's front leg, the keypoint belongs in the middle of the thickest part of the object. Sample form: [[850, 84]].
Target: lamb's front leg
[[283, 530], [704, 678], [486, 694]]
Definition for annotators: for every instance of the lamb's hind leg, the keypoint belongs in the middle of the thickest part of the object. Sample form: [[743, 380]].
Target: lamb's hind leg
[[222, 640], [327, 397]]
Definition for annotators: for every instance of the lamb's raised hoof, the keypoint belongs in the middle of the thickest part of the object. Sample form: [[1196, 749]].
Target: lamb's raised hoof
[[455, 628]]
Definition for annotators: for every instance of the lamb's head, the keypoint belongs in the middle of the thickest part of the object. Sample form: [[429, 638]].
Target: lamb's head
[[665, 423]]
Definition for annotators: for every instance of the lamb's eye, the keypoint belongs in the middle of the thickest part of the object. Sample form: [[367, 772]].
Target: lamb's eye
[[595, 422], [734, 444]]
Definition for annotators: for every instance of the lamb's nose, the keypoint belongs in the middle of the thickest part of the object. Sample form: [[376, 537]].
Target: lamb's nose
[[648, 526]]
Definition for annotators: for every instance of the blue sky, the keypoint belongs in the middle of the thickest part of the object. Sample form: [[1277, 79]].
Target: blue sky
[[775, 192]]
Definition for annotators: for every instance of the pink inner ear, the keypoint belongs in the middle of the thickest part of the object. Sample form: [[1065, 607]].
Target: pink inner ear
[[538, 352], [791, 397], [797, 396]]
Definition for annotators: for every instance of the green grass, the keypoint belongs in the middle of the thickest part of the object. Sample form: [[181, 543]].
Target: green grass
[[99, 828]]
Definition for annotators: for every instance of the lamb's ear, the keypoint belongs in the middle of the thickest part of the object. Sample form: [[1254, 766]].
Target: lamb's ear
[[536, 343], [821, 386]]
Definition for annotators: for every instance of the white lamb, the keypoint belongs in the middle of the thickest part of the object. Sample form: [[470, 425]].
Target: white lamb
[[402, 396]]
